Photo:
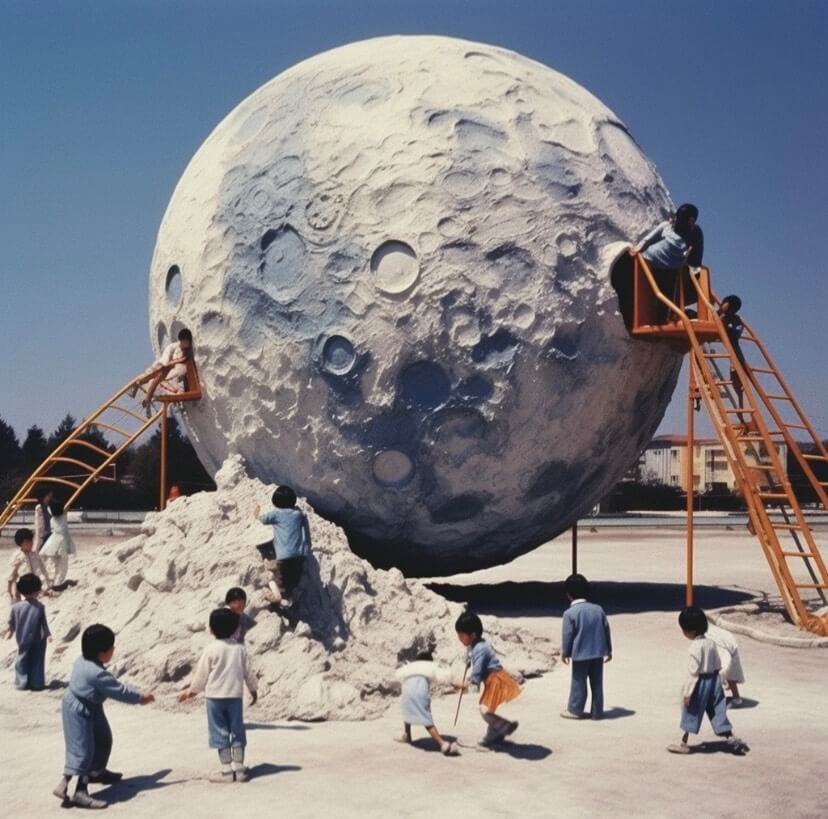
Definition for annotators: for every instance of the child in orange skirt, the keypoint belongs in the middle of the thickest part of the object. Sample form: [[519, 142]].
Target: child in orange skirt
[[498, 685]]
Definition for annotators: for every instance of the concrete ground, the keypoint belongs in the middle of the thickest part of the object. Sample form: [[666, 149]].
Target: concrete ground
[[554, 767]]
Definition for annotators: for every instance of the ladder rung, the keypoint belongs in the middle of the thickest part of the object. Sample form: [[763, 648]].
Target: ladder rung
[[798, 554], [763, 370], [795, 426], [126, 411], [749, 438], [111, 428], [722, 382], [785, 525], [766, 467], [772, 495], [740, 411], [811, 585], [716, 355], [778, 396], [814, 457], [74, 461], [81, 442]]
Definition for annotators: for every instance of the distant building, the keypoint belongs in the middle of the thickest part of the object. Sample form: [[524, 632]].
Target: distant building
[[665, 458]]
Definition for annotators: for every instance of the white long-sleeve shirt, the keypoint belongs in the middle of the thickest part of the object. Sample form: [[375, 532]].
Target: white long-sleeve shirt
[[25, 563], [424, 668], [704, 659], [223, 670]]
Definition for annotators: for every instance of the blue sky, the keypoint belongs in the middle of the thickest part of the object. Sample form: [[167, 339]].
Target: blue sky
[[102, 104]]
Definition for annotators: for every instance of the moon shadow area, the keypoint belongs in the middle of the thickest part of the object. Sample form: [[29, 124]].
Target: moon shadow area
[[538, 599]]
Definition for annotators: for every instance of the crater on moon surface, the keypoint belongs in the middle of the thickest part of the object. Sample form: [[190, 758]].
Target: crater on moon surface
[[397, 263]]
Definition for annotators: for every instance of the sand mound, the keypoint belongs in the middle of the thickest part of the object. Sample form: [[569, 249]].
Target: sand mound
[[332, 657]]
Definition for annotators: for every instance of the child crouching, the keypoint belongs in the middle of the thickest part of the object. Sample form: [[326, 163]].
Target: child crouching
[[498, 685], [416, 679], [86, 731], [221, 673]]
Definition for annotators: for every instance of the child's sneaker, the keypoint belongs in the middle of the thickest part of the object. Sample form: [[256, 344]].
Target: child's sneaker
[[513, 726], [223, 777], [60, 789], [736, 745], [735, 702], [106, 777], [450, 749], [571, 715], [679, 748], [242, 775]]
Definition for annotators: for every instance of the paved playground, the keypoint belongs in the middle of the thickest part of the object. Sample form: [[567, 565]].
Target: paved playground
[[555, 767]]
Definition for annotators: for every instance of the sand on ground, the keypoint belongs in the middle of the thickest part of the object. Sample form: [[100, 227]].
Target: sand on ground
[[554, 767]]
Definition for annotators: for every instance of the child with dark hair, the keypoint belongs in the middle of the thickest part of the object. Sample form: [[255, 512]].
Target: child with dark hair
[[42, 518], [586, 641], [86, 731], [729, 308], [416, 679], [25, 561], [484, 667], [168, 371], [59, 545], [236, 600], [285, 558], [702, 691], [221, 673], [27, 622]]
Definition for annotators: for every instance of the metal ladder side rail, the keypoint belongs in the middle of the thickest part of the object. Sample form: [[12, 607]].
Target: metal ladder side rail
[[753, 493], [784, 486], [784, 426], [780, 569], [75, 438]]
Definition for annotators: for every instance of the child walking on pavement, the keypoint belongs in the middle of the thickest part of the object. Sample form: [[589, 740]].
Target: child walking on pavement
[[221, 673], [586, 641], [416, 679], [702, 692], [27, 622], [731, 675], [484, 667], [86, 731]]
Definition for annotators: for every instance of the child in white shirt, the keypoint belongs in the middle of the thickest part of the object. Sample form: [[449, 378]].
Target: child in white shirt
[[702, 691], [732, 674], [59, 546], [221, 673]]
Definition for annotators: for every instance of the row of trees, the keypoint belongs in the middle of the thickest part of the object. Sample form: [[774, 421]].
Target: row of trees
[[136, 471]]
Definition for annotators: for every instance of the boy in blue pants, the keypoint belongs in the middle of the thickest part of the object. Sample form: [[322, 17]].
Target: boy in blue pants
[[702, 692], [586, 641], [27, 622]]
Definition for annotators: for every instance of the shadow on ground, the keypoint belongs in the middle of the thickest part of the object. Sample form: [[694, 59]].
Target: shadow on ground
[[528, 751], [131, 786], [539, 599], [267, 769], [270, 726]]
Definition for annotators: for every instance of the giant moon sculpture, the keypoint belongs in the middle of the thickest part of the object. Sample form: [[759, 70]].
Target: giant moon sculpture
[[395, 260]]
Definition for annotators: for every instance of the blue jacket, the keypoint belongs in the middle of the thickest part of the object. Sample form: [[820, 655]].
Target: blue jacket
[[585, 632], [291, 533]]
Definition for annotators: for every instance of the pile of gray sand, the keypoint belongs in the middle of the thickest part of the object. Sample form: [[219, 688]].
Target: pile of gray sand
[[331, 656]]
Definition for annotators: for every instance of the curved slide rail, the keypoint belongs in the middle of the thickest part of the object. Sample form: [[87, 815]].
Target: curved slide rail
[[123, 418]]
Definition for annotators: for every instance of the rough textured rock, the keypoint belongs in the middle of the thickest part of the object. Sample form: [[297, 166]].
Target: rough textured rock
[[333, 657], [395, 260]]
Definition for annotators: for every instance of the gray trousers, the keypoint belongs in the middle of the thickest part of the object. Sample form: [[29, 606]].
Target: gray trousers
[[707, 698], [87, 736], [30, 667], [583, 670]]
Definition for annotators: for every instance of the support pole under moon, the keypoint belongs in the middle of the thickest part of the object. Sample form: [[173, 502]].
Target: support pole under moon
[[692, 391]]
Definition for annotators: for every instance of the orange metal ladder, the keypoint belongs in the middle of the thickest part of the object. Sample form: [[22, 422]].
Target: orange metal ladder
[[122, 418], [750, 435]]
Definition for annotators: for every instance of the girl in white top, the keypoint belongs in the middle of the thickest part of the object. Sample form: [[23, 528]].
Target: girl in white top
[[59, 545], [416, 679]]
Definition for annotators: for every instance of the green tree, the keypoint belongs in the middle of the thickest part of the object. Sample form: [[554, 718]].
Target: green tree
[[35, 448], [11, 462]]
